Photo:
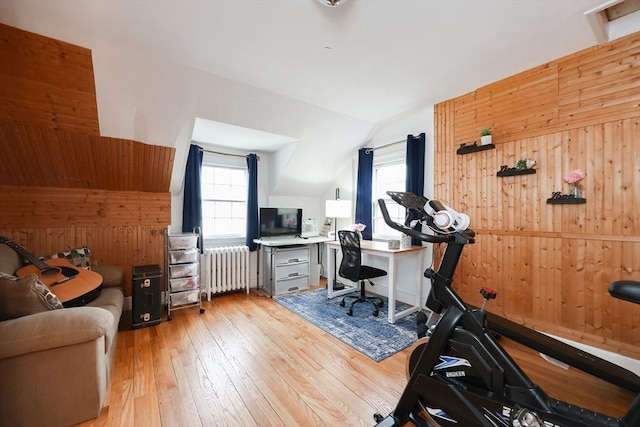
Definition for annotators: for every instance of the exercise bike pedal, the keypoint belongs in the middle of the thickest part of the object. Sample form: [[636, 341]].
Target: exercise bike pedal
[[388, 421], [487, 294]]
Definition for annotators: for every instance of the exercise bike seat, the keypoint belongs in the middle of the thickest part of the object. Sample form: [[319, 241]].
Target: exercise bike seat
[[627, 290]]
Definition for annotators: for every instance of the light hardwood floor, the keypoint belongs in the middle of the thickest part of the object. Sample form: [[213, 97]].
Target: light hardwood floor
[[247, 361]]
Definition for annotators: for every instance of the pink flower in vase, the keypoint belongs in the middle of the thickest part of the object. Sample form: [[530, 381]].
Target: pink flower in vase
[[574, 176], [358, 227]]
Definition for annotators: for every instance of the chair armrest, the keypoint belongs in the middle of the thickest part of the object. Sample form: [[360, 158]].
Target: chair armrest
[[111, 275], [52, 329]]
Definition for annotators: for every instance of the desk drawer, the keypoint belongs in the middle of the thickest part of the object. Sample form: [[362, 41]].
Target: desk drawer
[[294, 284], [292, 270], [288, 256]]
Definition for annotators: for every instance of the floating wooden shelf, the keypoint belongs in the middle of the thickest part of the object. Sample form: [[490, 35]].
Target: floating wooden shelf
[[466, 149], [567, 201], [514, 172]]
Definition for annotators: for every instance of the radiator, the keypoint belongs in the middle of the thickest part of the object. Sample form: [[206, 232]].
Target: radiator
[[225, 269]]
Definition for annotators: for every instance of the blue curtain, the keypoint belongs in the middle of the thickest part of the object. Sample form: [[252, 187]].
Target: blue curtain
[[253, 231], [364, 190], [192, 204], [415, 170]]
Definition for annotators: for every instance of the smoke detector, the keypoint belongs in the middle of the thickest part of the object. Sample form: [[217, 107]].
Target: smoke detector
[[332, 3]]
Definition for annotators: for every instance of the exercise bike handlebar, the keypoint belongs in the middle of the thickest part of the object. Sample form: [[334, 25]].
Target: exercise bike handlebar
[[415, 205], [410, 231]]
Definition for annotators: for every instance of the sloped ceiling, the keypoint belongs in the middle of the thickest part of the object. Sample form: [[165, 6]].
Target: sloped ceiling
[[336, 74]]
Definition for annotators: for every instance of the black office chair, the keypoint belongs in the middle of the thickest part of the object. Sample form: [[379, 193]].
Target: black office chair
[[351, 268]]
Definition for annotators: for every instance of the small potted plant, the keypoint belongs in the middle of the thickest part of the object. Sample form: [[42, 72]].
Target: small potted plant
[[525, 164], [485, 136]]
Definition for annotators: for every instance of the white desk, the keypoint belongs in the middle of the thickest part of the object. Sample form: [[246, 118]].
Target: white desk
[[286, 241], [277, 244], [393, 257]]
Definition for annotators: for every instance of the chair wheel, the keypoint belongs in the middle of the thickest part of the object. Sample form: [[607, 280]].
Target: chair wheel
[[350, 312], [342, 303], [375, 313], [381, 304]]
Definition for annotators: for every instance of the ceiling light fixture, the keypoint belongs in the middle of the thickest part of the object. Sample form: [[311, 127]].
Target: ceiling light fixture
[[332, 3]]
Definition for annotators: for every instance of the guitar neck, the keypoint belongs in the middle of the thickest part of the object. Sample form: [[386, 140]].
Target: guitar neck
[[41, 265]]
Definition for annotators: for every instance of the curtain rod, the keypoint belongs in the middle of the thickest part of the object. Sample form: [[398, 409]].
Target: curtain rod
[[369, 150], [202, 150]]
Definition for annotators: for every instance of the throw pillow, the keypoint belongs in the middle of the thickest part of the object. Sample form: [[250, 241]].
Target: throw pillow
[[78, 257], [22, 296]]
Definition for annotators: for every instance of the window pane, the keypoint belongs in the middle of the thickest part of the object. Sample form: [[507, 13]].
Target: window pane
[[207, 175], [221, 191], [238, 226], [223, 225], [207, 191], [223, 210], [238, 192], [387, 177], [238, 176], [222, 175], [207, 208], [239, 210]]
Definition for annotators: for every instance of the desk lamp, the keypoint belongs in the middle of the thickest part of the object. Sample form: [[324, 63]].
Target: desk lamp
[[337, 209]]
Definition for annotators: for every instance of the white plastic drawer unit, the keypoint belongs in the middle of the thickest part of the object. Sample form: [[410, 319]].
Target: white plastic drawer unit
[[183, 256], [290, 256], [183, 241], [183, 270], [287, 269], [182, 298], [184, 284]]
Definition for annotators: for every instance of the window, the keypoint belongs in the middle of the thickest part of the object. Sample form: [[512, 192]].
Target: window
[[224, 201], [387, 177]]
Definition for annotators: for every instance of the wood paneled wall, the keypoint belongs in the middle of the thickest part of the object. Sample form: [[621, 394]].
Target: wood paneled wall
[[62, 184], [46, 83], [124, 228], [552, 264], [33, 156], [596, 85]]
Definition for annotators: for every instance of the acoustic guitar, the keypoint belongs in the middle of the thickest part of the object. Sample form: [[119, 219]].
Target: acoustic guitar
[[73, 286]]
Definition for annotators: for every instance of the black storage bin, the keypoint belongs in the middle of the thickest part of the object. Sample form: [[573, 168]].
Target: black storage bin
[[147, 293]]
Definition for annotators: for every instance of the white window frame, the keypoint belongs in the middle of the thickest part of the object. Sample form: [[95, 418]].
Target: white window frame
[[224, 162]]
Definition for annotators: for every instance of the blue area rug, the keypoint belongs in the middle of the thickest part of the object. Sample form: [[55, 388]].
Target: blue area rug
[[372, 336]]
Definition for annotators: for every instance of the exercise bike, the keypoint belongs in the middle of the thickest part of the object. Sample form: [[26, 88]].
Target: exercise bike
[[460, 375]]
